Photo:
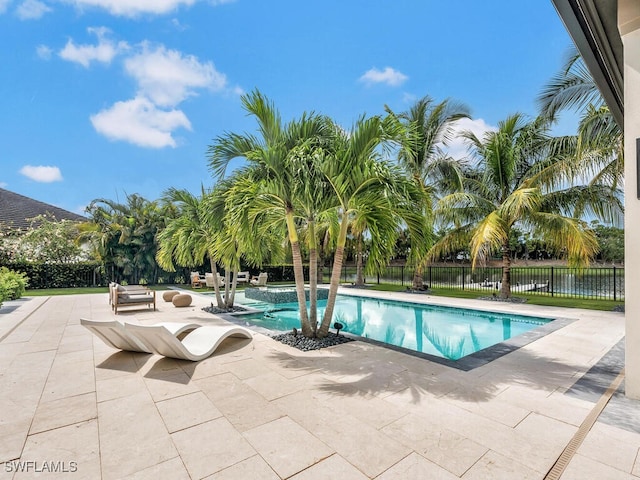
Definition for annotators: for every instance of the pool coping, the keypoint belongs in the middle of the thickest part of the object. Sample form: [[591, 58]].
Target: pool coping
[[486, 355], [466, 363]]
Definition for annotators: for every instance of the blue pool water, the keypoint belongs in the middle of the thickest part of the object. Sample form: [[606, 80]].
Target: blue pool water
[[446, 332]]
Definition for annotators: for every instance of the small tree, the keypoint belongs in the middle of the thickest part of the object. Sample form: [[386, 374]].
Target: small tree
[[50, 240]]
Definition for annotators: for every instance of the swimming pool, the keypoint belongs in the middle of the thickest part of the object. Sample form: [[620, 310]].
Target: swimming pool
[[446, 332]]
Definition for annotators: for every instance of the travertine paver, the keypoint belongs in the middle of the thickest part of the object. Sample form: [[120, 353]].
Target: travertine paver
[[581, 468], [73, 449], [448, 449], [173, 469], [210, 447], [132, 435], [330, 469], [64, 411], [415, 466], [252, 467], [286, 446], [498, 467], [187, 411], [260, 409], [611, 446]]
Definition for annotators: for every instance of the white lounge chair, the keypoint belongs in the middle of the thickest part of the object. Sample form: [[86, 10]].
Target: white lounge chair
[[260, 280], [242, 277], [208, 277], [196, 346], [114, 333]]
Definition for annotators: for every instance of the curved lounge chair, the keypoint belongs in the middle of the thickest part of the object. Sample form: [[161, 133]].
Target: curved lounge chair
[[114, 333], [196, 346]]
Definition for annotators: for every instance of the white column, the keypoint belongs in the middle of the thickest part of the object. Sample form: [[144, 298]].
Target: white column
[[629, 25]]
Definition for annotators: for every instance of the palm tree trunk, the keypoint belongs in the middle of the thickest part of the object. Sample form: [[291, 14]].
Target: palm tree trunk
[[335, 278], [313, 278], [418, 283], [216, 287], [321, 253], [505, 289], [359, 275], [230, 299], [298, 274], [227, 283]]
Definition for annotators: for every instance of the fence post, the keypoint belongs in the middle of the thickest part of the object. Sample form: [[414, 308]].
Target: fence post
[[551, 282], [462, 277], [614, 284], [430, 282], [378, 278], [402, 275]]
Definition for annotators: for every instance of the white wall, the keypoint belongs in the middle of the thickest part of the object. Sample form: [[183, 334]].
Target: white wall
[[629, 24]]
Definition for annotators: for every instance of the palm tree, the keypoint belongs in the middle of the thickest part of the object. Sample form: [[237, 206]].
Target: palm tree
[[123, 235], [280, 163], [599, 144], [364, 186], [424, 130], [513, 184], [189, 237]]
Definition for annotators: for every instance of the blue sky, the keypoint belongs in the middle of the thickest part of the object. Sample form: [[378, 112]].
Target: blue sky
[[103, 98]]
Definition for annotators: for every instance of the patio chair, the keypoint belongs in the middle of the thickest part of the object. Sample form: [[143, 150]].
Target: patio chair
[[260, 280], [242, 277], [198, 345], [115, 287], [208, 278], [115, 335], [132, 295], [196, 282]]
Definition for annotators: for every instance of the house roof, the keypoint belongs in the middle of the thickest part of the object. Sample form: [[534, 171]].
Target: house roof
[[16, 210], [593, 25]]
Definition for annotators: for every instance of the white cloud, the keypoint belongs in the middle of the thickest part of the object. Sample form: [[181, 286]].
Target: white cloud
[[140, 122], [42, 174], [3, 5], [178, 26], [32, 10], [4, 184], [43, 52], [167, 77], [103, 52], [389, 76], [129, 8], [458, 147], [409, 97]]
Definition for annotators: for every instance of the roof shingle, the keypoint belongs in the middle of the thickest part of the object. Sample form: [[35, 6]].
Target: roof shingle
[[16, 210]]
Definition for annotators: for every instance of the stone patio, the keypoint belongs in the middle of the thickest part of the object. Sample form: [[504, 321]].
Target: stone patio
[[258, 409]]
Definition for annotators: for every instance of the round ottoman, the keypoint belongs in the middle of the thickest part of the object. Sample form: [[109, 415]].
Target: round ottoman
[[181, 300], [169, 294]]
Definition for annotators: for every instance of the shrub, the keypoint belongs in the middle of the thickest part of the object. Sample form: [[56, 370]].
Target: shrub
[[12, 284]]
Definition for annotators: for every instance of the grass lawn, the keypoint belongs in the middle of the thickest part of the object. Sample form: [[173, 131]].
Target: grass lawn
[[591, 304]]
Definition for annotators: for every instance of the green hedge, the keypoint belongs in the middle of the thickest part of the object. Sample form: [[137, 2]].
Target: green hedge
[[60, 275], [12, 284]]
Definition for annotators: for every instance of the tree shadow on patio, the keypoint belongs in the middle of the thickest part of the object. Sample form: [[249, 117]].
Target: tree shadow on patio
[[367, 370]]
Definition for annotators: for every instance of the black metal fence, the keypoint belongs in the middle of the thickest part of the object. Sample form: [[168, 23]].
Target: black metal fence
[[594, 283]]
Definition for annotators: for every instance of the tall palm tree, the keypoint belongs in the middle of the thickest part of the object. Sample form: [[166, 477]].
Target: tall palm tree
[[123, 235], [425, 129], [276, 167], [510, 186], [363, 185], [599, 143], [190, 237]]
